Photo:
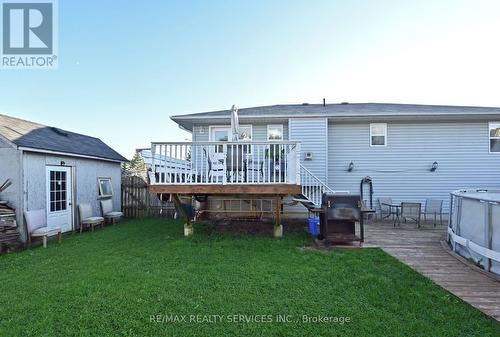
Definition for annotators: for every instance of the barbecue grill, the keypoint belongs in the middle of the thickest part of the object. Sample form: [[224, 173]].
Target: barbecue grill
[[339, 216]]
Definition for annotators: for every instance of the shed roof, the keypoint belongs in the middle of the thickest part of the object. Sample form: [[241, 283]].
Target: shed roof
[[36, 136], [342, 111]]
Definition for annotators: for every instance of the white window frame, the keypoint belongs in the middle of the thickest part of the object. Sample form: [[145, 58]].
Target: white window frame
[[385, 135], [230, 134], [251, 130], [212, 127], [280, 126], [490, 138], [101, 195]]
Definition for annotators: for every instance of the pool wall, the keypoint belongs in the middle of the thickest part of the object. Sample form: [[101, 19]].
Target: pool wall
[[474, 227]]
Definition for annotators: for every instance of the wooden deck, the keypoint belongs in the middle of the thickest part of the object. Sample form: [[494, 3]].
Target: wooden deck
[[258, 189], [421, 249]]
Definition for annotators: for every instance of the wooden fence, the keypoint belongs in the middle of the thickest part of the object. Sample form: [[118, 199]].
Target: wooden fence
[[138, 202]]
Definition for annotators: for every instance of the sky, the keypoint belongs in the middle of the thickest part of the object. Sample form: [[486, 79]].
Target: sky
[[125, 67]]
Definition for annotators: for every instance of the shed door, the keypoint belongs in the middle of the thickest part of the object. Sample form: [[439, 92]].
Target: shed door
[[59, 197]]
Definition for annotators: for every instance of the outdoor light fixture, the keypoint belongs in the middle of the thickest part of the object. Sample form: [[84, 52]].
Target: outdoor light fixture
[[351, 167], [434, 166], [62, 163]]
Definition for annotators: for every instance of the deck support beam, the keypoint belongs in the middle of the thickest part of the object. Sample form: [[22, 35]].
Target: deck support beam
[[278, 227], [188, 226]]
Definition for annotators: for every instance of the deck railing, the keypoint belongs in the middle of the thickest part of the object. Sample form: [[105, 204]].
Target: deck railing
[[216, 163], [312, 187]]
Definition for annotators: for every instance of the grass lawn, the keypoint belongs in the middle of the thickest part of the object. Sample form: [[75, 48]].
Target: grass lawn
[[113, 281]]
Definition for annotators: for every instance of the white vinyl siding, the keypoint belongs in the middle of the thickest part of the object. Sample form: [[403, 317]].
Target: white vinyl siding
[[401, 170], [312, 134]]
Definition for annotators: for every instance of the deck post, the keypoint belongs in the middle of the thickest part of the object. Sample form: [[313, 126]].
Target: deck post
[[278, 227], [188, 227]]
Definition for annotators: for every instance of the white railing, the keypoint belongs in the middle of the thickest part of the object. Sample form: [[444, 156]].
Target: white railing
[[311, 186], [274, 162]]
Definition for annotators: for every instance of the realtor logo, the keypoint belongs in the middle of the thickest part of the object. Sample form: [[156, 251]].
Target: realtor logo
[[28, 34]]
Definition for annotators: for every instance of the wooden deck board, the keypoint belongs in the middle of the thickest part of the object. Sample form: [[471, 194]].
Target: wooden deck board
[[421, 250], [254, 189]]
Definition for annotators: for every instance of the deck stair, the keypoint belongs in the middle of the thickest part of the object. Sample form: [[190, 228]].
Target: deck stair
[[312, 189]]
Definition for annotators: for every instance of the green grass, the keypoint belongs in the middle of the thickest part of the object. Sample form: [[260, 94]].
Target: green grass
[[110, 283]]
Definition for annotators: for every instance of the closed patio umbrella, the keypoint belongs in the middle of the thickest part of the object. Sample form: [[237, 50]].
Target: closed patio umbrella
[[235, 127]]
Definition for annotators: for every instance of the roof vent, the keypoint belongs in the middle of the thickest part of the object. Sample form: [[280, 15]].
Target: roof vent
[[344, 103], [60, 132], [305, 103]]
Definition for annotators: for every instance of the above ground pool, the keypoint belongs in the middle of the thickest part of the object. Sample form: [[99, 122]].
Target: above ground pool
[[474, 227]]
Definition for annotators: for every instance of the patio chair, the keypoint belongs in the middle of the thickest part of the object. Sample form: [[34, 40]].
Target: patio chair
[[255, 166], [385, 210], [36, 222], [411, 211], [434, 207], [87, 218], [234, 162], [107, 211], [216, 165]]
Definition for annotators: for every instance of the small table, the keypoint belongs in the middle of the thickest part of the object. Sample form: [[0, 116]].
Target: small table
[[396, 212]]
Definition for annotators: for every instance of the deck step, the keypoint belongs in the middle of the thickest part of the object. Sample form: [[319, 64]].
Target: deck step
[[304, 201]]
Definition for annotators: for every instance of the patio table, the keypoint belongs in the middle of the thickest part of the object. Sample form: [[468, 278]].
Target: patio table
[[397, 210]]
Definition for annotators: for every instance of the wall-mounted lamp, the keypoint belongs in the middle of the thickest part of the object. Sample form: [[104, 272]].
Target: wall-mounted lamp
[[434, 166], [62, 163], [351, 167]]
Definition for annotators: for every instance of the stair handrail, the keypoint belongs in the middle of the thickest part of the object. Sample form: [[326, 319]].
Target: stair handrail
[[308, 181], [302, 167]]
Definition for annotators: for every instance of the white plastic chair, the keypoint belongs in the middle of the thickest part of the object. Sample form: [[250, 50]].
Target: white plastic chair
[[216, 166]]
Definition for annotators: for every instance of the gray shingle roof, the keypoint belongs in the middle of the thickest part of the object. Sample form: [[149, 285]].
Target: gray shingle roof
[[351, 111], [37, 136]]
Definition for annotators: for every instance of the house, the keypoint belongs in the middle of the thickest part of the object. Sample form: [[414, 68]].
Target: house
[[55, 170], [411, 152]]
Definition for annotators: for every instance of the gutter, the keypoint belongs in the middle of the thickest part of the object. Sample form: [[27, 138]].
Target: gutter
[[67, 154], [345, 118]]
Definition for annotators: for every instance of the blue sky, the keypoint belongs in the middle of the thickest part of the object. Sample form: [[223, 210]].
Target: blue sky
[[126, 66]]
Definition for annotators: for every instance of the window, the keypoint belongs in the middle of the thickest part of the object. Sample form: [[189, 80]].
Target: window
[[105, 187], [245, 133], [378, 134], [58, 191], [224, 134], [494, 128], [219, 133], [275, 132]]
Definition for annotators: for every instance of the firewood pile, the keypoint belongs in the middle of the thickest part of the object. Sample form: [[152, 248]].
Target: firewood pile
[[9, 235]]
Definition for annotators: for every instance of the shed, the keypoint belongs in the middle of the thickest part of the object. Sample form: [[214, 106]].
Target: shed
[[55, 170]]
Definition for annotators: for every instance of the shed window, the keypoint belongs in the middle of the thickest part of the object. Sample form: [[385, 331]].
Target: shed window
[[494, 136], [378, 134], [105, 187], [275, 132]]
